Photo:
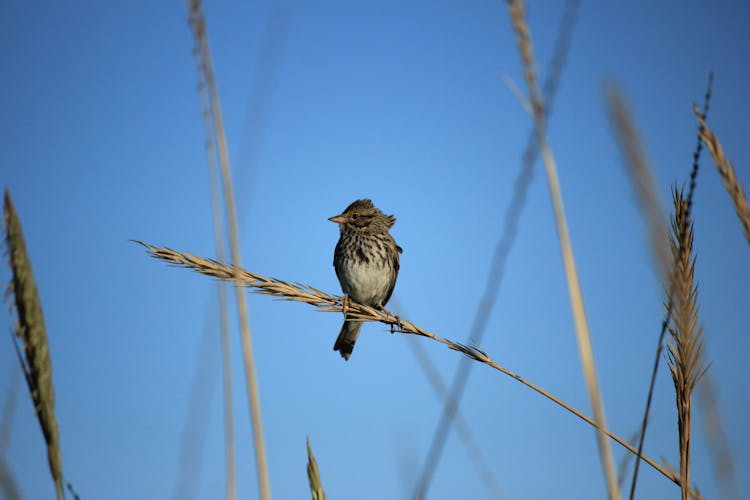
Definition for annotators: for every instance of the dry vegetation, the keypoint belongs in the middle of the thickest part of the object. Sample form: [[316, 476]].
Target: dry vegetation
[[726, 170], [33, 351], [686, 345], [675, 259]]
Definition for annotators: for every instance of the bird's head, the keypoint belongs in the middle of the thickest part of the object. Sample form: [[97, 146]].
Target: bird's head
[[362, 215]]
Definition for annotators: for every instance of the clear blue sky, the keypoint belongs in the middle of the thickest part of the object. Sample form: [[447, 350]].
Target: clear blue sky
[[101, 141]]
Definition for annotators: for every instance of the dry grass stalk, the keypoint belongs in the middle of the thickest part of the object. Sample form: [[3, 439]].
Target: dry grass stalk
[[34, 352], [198, 24], [695, 494], [727, 173], [574, 289], [226, 347], [699, 143], [199, 408], [622, 468], [72, 491], [313, 475], [686, 344], [643, 181], [713, 429], [9, 408], [641, 176], [462, 426], [285, 290], [502, 249], [8, 487]]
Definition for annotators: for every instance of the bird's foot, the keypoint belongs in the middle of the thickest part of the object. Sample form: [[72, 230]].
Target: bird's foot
[[345, 304], [397, 326]]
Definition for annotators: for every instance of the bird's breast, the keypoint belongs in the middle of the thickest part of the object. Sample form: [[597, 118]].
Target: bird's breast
[[367, 283], [366, 270]]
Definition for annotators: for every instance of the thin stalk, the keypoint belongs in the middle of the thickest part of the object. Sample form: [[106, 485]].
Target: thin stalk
[[640, 173], [199, 28], [325, 302], [221, 288], [502, 251], [574, 288]]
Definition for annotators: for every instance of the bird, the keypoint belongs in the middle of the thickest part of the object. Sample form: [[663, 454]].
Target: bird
[[366, 260]]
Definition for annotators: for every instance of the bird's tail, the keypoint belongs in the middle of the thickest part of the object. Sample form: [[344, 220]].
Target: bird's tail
[[347, 337]]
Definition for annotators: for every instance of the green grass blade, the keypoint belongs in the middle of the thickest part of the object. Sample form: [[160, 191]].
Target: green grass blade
[[313, 476]]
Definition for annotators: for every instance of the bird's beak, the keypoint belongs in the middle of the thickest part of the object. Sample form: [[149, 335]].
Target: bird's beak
[[338, 219]]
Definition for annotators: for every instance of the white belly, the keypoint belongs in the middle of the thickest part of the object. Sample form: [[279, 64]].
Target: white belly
[[368, 283]]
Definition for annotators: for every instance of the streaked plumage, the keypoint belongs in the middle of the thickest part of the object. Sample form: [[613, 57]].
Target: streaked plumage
[[366, 261]]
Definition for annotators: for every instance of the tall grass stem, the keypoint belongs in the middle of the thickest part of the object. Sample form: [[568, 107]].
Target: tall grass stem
[[198, 24], [502, 252], [574, 288]]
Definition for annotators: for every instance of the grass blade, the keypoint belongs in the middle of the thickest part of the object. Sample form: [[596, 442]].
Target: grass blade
[[313, 475]]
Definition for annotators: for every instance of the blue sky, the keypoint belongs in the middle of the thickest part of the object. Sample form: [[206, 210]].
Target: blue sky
[[101, 141]]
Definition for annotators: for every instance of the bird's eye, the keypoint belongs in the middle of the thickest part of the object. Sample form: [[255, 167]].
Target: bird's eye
[[355, 216]]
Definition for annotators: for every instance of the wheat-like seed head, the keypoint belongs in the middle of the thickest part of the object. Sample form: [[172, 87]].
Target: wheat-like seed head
[[641, 175], [285, 290], [686, 345], [727, 173], [34, 357]]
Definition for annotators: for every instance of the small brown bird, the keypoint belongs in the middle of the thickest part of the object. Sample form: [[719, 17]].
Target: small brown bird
[[366, 262]]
